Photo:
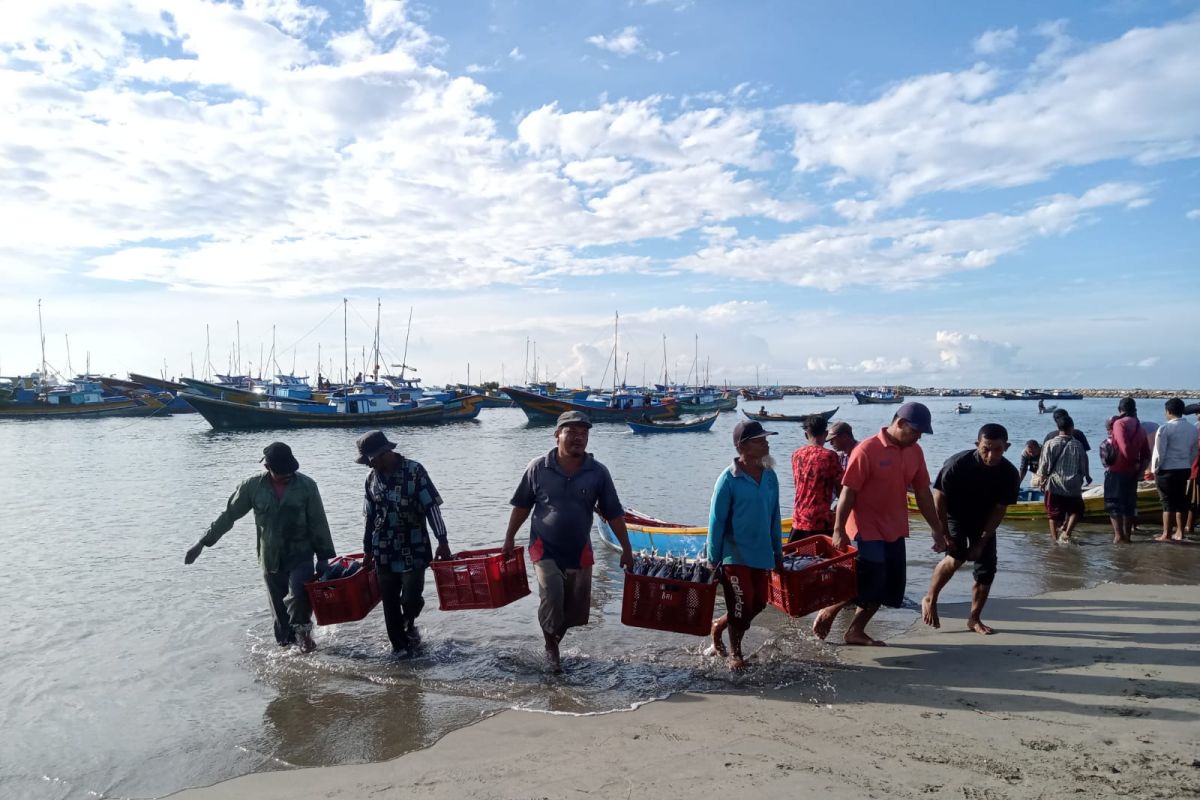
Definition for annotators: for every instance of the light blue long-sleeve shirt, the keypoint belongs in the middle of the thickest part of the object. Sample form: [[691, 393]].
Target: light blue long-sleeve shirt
[[744, 519]]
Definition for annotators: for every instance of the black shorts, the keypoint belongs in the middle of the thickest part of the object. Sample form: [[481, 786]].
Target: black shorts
[[797, 535], [1061, 506], [1172, 489], [745, 593], [985, 567], [881, 573], [1120, 494]]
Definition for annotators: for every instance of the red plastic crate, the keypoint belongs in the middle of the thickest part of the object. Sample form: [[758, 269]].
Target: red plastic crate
[[344, 599], [481, 579], [667, 605], [831, 581]]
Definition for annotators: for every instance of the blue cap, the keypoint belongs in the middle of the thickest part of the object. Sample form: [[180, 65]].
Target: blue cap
[[917, 415]]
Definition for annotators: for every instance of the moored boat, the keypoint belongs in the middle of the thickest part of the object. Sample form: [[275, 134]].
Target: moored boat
[[878, 397], [1032, 505], [675, 425], [620, 408], [648, 533], [768, 417], [355, 410], [82, 398]]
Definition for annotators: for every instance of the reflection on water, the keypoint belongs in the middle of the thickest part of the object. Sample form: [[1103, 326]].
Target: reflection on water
[[108, 627]]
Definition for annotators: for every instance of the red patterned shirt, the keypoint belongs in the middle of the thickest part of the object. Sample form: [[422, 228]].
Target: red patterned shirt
[[817, 472]]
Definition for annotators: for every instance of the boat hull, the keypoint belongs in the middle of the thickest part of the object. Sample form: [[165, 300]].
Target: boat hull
[[1093, 506], [225, 415], [665, 537], [869, 400], [671, 426], [541, 409], [724, 404], [826, 415], [119, 408]]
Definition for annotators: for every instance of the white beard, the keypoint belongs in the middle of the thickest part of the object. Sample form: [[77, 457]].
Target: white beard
[[768, 462]]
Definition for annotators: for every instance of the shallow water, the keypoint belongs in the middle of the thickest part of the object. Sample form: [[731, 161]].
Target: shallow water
[[127, 674]]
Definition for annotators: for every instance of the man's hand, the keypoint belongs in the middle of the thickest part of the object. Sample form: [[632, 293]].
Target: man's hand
[[368, 562], [443, 551], [322, 565], [976, 551], [193, 552], [626, 558], [778, 562], [940, 542], [840, 540], [507, 548]]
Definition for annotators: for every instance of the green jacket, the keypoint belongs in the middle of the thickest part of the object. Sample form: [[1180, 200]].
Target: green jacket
[[288, 529]]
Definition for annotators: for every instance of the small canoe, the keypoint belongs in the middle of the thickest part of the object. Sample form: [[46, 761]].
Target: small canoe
[[1032, 506], [674, 425], [827, 415], [648, 533]]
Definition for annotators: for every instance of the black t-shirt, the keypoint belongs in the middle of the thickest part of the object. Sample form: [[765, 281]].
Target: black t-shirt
[[1076, 434], [972, 489]]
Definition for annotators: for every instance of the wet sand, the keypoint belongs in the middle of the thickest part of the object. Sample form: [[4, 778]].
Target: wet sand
[[1094, 692]]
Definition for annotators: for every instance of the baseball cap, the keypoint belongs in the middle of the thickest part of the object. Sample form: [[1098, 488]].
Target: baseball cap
[[917, 415], [749, 429], [573, 418]]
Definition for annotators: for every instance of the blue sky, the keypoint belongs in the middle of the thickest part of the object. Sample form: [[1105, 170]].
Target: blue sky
[[927, 193]]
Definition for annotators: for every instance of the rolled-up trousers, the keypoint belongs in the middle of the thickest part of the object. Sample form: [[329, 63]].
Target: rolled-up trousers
[[289, 602]]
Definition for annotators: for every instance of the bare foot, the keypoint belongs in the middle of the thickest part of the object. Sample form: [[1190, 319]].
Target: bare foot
[[718, 643], [553, 660], [1162, 537], [822, 624], [736, 663], [1177, 537], [857, 639], [929, 612], [979, 627]]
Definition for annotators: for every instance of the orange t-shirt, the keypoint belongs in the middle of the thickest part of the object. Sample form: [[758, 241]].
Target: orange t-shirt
[[881, 473]]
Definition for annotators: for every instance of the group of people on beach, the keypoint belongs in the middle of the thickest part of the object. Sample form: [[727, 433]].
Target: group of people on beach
[[856, 493]]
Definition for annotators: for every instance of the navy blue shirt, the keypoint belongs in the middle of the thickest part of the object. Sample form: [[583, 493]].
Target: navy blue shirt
[[561, 523]]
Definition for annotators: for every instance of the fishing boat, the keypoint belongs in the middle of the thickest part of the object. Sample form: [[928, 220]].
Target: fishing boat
[[962, 408], [1031, 505], [649, 533], [31, 398], [354, 410], [616, 408], [878, 397], [132, 388], [761, 393], [675, 425], [706, 402], [768, 417], [221, 391]]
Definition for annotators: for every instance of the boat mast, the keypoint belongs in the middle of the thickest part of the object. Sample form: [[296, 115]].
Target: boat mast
[[616, 344], [70, 369], [407, 334], [42, 338], [525, 373], [345, 342], [666, 378], [239, 347], [378, 311]]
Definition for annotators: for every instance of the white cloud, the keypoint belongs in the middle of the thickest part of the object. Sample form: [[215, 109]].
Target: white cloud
[[1193, 214], [516, 55], [954, 131], [1145, 363], [995, 41], [599, 170], [971, 352], [624, 43], [879, 365], [899, 253]]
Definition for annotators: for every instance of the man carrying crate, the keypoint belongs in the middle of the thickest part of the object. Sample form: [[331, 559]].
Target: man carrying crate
[[873, 511], [560, 490], [401, 504], [744, 538], [972, 494], [292, 528]]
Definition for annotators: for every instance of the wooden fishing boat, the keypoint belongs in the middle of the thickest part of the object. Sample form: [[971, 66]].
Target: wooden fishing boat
[[878, 397], [962, 408], [220, 391], [675, 425], [826, 415], [762, 394], [352, 412], [726, 402], [82, 398], [1032, 506], [543, 409], [648, 533]]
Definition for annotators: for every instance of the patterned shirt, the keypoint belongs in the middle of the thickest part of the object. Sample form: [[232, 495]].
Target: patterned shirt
[[399, 510], [817, 472], [1063, 467]]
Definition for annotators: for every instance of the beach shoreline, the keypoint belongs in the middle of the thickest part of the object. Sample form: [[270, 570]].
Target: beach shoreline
[[1093, 691]]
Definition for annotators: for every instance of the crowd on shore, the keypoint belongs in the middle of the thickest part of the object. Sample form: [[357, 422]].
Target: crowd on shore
[[854, 492]]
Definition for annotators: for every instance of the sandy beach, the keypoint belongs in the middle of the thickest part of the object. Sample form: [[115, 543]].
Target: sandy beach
[[1085, 693]]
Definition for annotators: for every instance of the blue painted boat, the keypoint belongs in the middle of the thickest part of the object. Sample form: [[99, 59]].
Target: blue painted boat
[[648, 533], [674, 425]]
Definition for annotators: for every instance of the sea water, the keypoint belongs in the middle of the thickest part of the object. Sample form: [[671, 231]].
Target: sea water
[[125, 673]]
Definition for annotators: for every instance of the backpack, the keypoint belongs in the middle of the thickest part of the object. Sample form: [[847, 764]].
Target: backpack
[[1108, 452]]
